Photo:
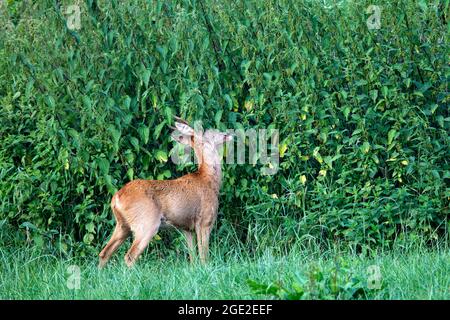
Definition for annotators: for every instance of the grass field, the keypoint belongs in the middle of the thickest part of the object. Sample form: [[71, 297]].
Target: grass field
[[415, 274]]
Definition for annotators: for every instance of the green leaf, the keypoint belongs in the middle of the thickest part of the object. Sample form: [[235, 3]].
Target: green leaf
[[130, 173], [88, 238], [90, 227], [168, 114], [87, 102], [28, 225], [365, 147], [103, 165], [164, 175], [161, 156], [127, 103], [50, 101], [16, 95], [218, 116], [144, 133], [346, 112], [146, 77], [210, 88], [135, 143], [115, 136], [391, 135], [229, 101], [317, 155]]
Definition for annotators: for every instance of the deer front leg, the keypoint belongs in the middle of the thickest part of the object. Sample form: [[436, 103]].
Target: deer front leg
[[203, 232], [190, 245]]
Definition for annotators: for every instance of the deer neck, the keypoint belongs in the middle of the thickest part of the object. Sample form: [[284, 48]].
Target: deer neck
[[210, 168]]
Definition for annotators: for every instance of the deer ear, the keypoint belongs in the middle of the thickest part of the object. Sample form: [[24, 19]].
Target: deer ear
[[182, 138], [184, 128]]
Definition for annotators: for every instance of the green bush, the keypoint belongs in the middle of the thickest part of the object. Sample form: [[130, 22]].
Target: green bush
[[363, 115]]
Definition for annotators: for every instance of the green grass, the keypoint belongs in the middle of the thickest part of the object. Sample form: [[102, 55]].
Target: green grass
[[417, 274]]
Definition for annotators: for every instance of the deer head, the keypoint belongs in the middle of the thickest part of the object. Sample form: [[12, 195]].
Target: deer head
[[206, 144]]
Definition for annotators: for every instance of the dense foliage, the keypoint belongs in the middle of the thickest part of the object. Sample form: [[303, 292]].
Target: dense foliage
[[363, 115]]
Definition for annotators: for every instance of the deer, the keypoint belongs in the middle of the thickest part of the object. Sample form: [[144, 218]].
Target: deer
[[189, 203]]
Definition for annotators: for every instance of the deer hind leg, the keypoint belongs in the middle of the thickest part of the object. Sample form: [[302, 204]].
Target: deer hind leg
[[120, 234], [146, 222]]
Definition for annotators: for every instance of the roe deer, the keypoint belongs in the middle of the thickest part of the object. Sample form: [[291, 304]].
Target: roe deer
[[189, 203]]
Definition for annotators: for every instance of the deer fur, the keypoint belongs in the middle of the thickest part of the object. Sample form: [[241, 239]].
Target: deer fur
[[189, 203]]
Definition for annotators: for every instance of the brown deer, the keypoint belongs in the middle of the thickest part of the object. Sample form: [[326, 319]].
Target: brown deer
[[189, 203]]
